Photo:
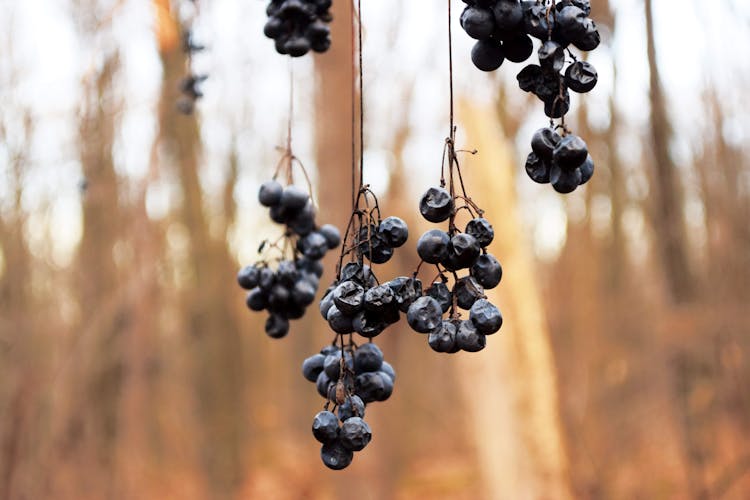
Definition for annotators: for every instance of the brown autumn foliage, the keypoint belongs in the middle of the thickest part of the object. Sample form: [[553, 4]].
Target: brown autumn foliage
[[135, 371]]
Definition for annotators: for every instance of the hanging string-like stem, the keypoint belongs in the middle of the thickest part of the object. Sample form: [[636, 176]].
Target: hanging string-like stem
[[359, 189], [354, 123], [450, 70], [361, 99], [289, 155]]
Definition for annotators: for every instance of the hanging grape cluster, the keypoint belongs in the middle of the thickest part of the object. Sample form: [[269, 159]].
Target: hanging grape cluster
[[286, 285], [504, 30], [351, 376], [453, 253], [298, 26]]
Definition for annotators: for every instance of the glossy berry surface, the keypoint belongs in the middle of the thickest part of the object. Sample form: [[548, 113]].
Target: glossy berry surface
[[425, 314], [487, 55], [486, 317], [481, 229], [336, 456], [355, 434], [487, 271], [436, 205], [325, 427], [432, 246]]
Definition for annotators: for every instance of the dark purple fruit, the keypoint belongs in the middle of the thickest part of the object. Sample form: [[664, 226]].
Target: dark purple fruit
[[508, 15], [369, 324], [286, 273], [338, 321], [394, 231], [477, 22], [269, 194], [373, 386], [387, 369], [536, 21], [440, 292], [294, 198], [544, 141], [323, 384], [487, 271], [467, 291], [248, 277], [565, 180], [326, 302], [335, 456], [529, 77], [297, 46], [537, 169], [349, 297], [331, 234], [273, 28], [436, 204], [303, 293], [355, 434], [551, 57], [277, 326], [368, 358], [590, 39], [406, 291], [587, 169], [571, 152], [584, 5], [379, 299], [463, 250], [481, 229], [518, 48], [424, 314], [312, 366], [486, 317], [468, 338], [303, 221], [581, 77], [487, 55], [352, 407], [332, 364], [571, 23], [443, 339], [556, 107], [256, 300], [325, 427], [432, 246], [313, 246]]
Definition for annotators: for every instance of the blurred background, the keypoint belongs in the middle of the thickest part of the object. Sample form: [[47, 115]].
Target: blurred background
[[130, 367]]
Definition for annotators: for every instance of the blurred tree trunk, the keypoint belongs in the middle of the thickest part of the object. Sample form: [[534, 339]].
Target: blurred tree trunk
[[18, 352], [96, 382], [617, 263], [510, 388], [215, 344], [667, 220]]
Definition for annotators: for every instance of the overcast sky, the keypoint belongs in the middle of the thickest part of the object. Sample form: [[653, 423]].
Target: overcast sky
[[42, 62]]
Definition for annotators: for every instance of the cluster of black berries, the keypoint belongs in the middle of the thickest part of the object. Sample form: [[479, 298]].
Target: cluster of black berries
[[560, 25], [297, 26], [563, 161], [452, 252], [190, 84], [349, 377], [287, 291], [356, 302], [504, 29]]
